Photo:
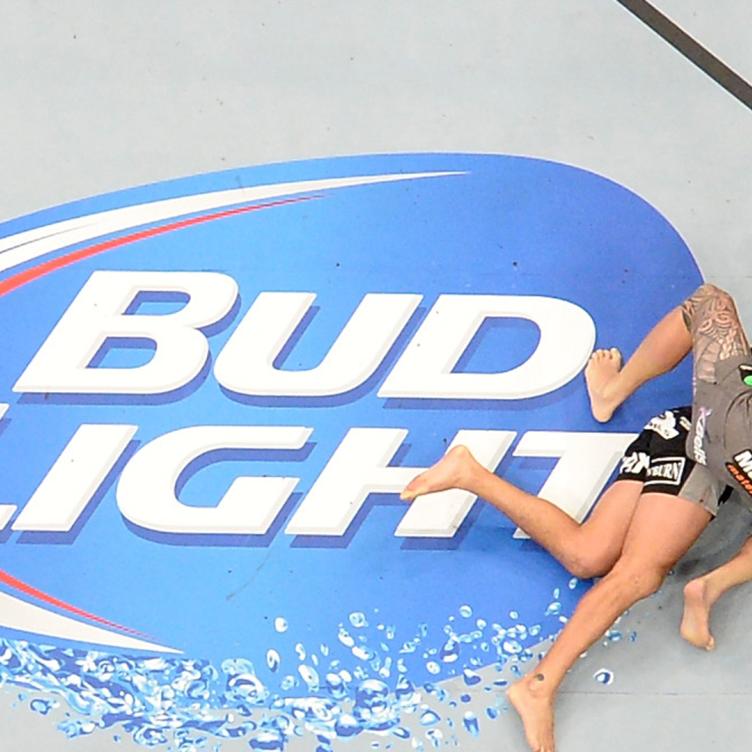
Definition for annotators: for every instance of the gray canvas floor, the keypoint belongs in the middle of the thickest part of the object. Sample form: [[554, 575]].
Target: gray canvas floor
[[101, 96]]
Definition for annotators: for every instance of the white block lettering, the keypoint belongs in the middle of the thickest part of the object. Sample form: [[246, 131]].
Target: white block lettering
[[567, 335], [245, 364], [146, 491], [74, 478], [359, 467], [62, 364]]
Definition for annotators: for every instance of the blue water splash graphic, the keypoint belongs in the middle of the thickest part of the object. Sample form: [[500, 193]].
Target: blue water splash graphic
[[189, 704]]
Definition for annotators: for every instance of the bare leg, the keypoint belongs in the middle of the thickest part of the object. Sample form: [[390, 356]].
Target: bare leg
[[662, 529], [663, 348], [586, 550], [700, 594], [706, 323]]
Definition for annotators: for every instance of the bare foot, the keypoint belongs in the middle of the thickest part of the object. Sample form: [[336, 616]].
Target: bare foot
[[695, 626], [601, 370], [534, 704], [448, 472]]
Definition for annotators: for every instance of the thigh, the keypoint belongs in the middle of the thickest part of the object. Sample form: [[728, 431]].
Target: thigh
[[663, 528], [606, 527]]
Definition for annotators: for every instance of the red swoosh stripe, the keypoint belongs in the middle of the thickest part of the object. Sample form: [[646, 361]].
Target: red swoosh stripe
[[16, 584], [41, 270]]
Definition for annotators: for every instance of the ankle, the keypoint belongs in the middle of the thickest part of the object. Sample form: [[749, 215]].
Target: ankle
[[540, 686], [469, 472], [706, 587], [713, 590], [616, 390]]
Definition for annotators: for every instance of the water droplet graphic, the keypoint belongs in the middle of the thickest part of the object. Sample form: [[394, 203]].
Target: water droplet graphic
[[512, 647], [41, 706], [429, 718], [267, 740], [310, 676], [470, 722], [435, 737], [450, 652], [345, 637], [466, 611], [554, 609], [247, 688], [272, 659], [404, 690], [603, 676], [470, 677], [363, 653], [347, 726], [177, 701], [358, 619], [573, 583]]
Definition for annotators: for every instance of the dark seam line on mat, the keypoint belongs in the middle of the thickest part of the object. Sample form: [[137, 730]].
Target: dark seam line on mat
[[691, 49]]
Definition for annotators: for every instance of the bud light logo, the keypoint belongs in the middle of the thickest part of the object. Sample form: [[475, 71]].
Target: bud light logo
[[213, 389]]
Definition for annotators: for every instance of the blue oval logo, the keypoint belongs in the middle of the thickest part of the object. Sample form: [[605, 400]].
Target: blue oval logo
[[213, 389]]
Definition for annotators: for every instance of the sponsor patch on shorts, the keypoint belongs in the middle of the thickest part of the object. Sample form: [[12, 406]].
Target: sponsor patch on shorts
[[666, 470], [664, 425], [635, 463]]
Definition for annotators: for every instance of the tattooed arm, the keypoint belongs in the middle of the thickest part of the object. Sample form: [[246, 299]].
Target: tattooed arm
[[710, 316]]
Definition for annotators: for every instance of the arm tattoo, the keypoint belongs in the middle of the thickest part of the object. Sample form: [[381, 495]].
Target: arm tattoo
[[717, 333]]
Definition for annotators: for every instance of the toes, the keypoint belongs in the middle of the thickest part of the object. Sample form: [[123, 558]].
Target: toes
[[410, 491], [416, 487]]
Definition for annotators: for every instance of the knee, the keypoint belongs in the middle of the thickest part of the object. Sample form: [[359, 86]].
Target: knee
[[586, 564]]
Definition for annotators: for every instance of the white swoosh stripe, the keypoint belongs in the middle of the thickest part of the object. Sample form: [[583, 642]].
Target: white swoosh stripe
[[26, 617], [30, 244], [3, 408]]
